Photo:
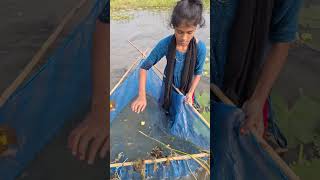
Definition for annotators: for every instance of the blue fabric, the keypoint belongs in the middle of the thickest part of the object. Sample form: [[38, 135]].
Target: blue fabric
[[60, 91], [285, 21], [238, 156], [283, 29], [105, 14], [186, 124], [161, 50]]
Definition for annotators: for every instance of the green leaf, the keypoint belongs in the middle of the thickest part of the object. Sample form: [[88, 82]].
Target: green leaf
[[203, 99]]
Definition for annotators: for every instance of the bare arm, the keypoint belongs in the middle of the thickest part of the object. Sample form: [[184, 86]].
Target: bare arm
[[95, 127], [253, 107], [194, 83], [193, 87], [100, 66], [142, 82], [274, 63], [140, 103]]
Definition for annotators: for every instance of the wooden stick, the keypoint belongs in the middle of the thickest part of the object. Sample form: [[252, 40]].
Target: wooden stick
[[177, 151], [201, 117], [215, 89], [152, 161], [36, 58], [126, 73], [274, 156]]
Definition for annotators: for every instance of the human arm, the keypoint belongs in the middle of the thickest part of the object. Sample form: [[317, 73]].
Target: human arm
[[95, 126]]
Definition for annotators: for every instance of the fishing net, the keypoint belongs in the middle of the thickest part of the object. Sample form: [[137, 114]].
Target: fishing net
[[144, 145]]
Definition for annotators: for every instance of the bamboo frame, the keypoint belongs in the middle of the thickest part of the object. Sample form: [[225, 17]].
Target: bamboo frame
[[41, 52], [274, 156], [126, 74], [152, 161]]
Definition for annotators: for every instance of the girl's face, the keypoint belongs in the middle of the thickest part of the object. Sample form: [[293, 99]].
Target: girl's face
[[184, 33]]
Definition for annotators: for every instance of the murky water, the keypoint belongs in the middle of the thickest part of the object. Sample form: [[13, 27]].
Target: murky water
[[126, 138]]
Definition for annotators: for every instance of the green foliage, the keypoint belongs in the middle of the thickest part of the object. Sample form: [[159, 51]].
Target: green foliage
[[309, 21], [204, 101], [121, 16], [306, 37], [308, 170], [148, 4], [299, 124]]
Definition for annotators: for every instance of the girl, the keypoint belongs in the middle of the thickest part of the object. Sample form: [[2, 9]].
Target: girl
[[185, 55]]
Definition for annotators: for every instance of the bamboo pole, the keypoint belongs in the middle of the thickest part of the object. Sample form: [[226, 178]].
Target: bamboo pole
[[37, 57], [126, 74], [274, 156], [152, 161], [193, 109]]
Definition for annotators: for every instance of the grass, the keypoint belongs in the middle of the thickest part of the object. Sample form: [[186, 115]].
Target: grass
[[147, 4], [121, 16]]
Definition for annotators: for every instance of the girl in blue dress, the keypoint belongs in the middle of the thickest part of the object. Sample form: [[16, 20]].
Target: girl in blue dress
[[185, 55]]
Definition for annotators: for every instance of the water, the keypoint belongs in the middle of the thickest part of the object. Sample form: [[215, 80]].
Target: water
[[126, 138]]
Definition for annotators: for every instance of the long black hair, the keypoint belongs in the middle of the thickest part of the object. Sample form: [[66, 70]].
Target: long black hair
[[187, 11]]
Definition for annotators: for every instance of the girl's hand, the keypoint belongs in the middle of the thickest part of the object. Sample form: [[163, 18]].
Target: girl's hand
[[139, 104], [254, 117], [188, 98], [90, 137]]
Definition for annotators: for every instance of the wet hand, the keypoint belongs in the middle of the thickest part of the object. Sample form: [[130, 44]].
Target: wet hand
[[139, 104], [254, 118], [90, 136], [188, 99]]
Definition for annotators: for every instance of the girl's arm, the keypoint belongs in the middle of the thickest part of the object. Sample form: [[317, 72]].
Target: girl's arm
[[276, 58], [193, 87], [100, 66], [141, 102], [95, 127]]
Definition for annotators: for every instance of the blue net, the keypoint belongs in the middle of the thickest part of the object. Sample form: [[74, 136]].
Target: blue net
[[237, 156], [183, 130], [60, 91]]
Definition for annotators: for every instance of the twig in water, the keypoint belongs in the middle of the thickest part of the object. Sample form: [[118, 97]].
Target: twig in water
[[181, 152]]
